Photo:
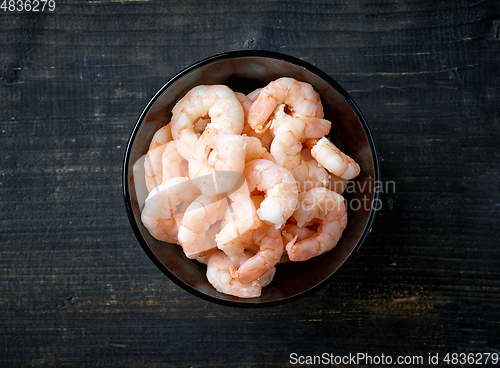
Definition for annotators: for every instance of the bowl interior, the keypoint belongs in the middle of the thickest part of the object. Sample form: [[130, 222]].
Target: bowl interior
[[243, 72]]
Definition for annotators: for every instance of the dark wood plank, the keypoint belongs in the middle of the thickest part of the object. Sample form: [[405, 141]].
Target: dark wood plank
[[76, 288]]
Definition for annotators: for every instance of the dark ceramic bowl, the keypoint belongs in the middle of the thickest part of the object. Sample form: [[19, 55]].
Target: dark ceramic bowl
[[243, 71]]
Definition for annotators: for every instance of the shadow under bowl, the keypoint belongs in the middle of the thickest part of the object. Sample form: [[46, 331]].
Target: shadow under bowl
[[244, 71]]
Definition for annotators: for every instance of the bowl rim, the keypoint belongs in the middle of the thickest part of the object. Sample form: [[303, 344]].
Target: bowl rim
[[234, 55]]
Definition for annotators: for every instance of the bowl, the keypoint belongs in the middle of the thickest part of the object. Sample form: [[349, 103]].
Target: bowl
[[244, 71]]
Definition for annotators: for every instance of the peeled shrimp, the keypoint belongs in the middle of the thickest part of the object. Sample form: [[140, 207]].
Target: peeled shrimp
[[164, 208], [173, 164], [300, 97], [328, 208], [266, 137], [270, 244], [286, 147], [240, 217], [153, 167], [279, 186], [224, 178], [220, 154], [253, 95], [219, 275], [244, 101], [334, 160], [218, 102], [161, 136], [291, 234], [255, 150], [195, 234], [291, 231]]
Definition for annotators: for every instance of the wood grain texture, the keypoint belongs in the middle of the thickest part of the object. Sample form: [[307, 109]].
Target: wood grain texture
[[76, 288]]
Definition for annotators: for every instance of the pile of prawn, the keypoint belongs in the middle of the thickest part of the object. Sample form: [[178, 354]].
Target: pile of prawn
[[245, 182]]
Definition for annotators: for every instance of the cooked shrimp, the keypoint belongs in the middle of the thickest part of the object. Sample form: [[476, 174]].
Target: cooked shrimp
[[300, 97], [220, 153], [268, 238], [328, 208], [279, 186], [240, 217], [161, 136], [293, 230], [173, 164], [202, 214], [253, 95], [153, 167], [286, 147], [255, 150], [204, 256], [244, 101], [217, 102], [266, 137], [292, 233], [164, 208], [334, 160], [219, 275]]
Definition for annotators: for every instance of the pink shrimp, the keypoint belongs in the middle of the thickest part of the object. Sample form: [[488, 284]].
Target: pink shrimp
[[270, 245], [300, 97], [240, 217], [255, 150], [328, 208], [266, 137], [195, 233], [279, 186], [219, 275], [334, 160], [218, 102], [161, 136], [173, 164], [286, 148], [220, 154], [164, 208], [153, 168]]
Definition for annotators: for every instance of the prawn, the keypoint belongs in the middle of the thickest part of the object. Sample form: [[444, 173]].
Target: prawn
[[220, 154], [300, 233], [286, 147], [173, 164], [279, 186], [164, 208], [218, 102], [161, 136], [292, 233], [270, 244], [334, 160], [300, 98], [239, 219], [153, 167], [328, 208], [219, 276], [253, 95], [255, 149], [266, 137], [196, 233]]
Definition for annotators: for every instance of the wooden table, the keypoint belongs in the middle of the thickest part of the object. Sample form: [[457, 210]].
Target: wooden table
[[77, 289]]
